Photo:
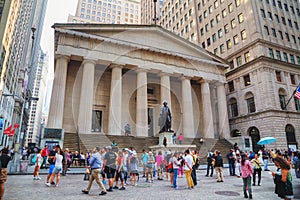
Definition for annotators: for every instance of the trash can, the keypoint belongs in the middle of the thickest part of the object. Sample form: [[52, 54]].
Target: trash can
[[23, 165]]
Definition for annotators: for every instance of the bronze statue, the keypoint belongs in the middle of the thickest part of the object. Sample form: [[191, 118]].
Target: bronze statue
[[165, 118]]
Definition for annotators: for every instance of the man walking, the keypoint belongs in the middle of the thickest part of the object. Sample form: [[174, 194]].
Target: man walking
[[188, 168], [209, 160], [95, 165], [109, 166], [231, 162], [44, 154], [265, 157]]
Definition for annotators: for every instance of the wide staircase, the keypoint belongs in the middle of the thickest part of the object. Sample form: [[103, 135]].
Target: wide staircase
[[86, 142]]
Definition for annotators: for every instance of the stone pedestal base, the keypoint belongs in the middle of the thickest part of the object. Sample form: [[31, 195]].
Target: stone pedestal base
[[170, 145]]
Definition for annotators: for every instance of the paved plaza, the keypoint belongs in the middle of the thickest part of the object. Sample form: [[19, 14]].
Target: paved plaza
[[23, 187]]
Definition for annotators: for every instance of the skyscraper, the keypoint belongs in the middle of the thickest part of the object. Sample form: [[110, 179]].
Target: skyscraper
[[261, 41], [107, 12]]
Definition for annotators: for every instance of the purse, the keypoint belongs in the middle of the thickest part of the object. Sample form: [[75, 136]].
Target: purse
[[87, 175]]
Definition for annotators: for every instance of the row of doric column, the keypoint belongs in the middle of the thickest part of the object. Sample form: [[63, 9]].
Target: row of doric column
[[115, 107]]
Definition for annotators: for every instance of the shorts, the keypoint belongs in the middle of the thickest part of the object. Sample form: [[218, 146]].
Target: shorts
[[56, 170], [110, 172], [3, 175], [51, 168], [119, 176]]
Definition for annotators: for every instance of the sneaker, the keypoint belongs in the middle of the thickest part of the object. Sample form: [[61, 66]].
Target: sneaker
[[48, 184], [110, 190], [84, 191], [122, 188], [103, 193], [116, 187], [53, 183], [35, 178], [38, 178], [253, 184]]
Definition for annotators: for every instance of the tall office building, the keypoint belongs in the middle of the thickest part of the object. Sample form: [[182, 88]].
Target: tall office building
[[19, 58], [149, 8], [261, 41], [107, 12]]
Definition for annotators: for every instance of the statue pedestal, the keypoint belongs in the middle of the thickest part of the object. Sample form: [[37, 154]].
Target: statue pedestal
[[170, 145]]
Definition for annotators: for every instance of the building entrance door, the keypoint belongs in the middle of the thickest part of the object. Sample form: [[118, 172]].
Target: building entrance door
[[255, 137]]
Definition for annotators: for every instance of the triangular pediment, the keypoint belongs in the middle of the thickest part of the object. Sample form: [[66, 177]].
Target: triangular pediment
[[148, 36]]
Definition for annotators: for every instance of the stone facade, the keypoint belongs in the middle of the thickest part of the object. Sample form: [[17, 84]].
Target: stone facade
[[110, 75]]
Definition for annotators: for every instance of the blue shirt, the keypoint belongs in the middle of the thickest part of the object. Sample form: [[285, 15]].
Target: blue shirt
[[145, 158], [95, 161]]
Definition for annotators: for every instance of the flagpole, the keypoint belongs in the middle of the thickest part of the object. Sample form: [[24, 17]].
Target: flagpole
[[291, 96]]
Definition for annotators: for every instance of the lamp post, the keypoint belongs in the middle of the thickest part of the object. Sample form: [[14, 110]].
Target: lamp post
[[155, 18]]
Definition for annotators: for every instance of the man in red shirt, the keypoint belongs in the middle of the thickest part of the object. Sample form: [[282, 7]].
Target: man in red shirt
[[44, 153]]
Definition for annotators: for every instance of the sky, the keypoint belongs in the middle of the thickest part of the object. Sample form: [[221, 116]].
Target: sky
[[57, 12]]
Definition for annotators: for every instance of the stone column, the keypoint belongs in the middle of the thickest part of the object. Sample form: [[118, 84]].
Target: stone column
[[141, 104], [115, 110], [56, 111], [208, 125], [187, 109], [165, 89], [86, 97], [223, 114]]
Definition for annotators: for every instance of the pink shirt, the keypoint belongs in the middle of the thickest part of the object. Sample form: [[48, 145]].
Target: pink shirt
[[246, 169], [180, 137], [159, 160]]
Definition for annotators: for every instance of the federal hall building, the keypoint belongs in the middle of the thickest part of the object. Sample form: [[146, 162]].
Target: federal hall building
[[109, 75]]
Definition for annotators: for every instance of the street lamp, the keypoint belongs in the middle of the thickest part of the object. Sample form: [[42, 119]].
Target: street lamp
[[155, 18]]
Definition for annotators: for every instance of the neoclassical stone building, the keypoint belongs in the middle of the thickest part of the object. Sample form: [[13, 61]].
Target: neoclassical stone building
[[109, 75]]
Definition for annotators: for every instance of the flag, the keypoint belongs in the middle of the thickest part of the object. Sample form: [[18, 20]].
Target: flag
[[16, 126], [11, 133], [297, 94], [7, 130]]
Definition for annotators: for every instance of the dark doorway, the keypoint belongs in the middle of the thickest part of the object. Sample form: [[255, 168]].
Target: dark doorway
[[255, 137], [290, 136], [150, 122]]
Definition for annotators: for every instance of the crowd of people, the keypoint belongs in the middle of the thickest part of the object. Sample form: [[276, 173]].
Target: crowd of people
[[117, 168]]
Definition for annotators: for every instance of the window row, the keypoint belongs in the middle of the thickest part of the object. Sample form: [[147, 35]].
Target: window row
[[284, 6], [284, 56], [216, 4], [229, 43], [277, 18], [283, 36]]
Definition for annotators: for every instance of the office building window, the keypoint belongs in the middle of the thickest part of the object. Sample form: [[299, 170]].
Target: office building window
[[263, 14], [282, 101], [96, 121], [220, 33], [206, 28], [247, 57], [287, 37], [202, 31], [266, 30], [235, 39], [231, 86], [274, 32], [290, 23], [271, 54], [233, 23], [285, 57], [280, 34], [230, 8], [237, 3], [239, 61], [200, 19], [222, 48], [229, 44], [212, 23], [208, 42], [293, 81], [205, 14], [224, 13], [243, 35], [226, 28], [247, 80], [297, 103], [233, 107], [286, 7], [270, 16], [277, 18], [216, 4], [214, 37], [296, 25], [251, 104], [218, 18], [210, 9], [279, 4], [203, 45], [292, 58], [298, 60], [216, 51], [278, 55], [241, 18], [278, 76], [283, 20]]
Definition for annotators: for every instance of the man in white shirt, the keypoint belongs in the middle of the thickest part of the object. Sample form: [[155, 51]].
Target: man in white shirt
[[188, 168]]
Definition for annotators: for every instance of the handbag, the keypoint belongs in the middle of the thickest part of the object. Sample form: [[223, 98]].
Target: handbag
[[33, 160], [87, 175]]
